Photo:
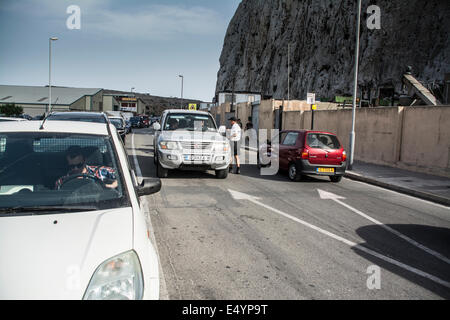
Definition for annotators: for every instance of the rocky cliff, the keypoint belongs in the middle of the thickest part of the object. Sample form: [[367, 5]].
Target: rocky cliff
[[321, 34]]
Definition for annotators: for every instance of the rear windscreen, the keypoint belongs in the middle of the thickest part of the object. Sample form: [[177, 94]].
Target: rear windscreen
[[322, 141]]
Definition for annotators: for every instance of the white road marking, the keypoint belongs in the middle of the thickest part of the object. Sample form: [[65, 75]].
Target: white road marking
[[331, 196], [163, 292], [242, 196]]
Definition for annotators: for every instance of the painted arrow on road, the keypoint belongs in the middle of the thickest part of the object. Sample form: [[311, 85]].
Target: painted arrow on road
[[329, 196], [325, 195]]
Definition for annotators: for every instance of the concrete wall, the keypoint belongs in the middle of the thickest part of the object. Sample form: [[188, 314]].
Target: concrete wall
[[97, 101], [80, 104], [425, 139], [39, 109]]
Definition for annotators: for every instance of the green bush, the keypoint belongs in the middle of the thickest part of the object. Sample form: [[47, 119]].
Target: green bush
[[10, 110]]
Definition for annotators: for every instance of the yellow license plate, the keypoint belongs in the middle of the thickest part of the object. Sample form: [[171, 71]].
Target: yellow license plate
[[325, 170]]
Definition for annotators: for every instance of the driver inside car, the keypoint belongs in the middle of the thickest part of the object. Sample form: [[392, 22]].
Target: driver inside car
[[77, 166]]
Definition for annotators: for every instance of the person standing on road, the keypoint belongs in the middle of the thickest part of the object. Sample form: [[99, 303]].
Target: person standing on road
[[235, 137]]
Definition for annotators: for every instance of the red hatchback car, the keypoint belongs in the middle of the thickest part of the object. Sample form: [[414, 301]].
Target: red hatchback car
[[305, 152]]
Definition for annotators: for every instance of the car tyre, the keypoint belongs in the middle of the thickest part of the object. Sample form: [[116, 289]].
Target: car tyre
[[335, 179], [161, 172], [222, 174], [294, 173]]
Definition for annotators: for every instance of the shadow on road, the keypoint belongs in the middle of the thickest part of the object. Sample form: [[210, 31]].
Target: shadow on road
[[251, 170], [435, 238]]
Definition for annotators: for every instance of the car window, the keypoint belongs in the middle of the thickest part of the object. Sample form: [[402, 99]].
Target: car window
[[290, 139], [73, 117], [189, 122], [35, 171], [117, 122], [322, 141]]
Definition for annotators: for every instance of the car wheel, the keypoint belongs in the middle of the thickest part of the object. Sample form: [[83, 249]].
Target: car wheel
[[335, 179], [294, 173], [161, 172], [222, 174]]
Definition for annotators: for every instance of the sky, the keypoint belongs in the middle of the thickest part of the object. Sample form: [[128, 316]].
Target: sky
[[120, 44]]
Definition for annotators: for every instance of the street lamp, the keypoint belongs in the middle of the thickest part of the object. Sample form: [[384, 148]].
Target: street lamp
[[355, 89], [182, 80], [50, 74]]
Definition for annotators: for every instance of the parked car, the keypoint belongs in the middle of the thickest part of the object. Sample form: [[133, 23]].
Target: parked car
[[305, 152], [136, 122], [72, 236], [145, 121], [120, 125], [128, 128], [98, 117], [189, 140]]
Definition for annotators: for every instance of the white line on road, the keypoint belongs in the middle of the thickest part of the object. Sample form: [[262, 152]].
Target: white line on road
[[331, 196], [242, 196]]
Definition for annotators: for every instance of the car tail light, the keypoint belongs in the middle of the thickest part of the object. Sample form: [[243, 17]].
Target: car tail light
[[305, 154], [344, 156]]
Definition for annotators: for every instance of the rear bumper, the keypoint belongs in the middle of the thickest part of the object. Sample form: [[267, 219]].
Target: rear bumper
[[308, 168]]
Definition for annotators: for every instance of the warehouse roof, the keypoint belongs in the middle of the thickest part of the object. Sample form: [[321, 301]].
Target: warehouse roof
[[39, 95]]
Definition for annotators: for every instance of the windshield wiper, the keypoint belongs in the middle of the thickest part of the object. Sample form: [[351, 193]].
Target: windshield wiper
[[41, 209]]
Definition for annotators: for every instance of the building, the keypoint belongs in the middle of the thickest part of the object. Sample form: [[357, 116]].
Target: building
[[34, 99], [123, 102]]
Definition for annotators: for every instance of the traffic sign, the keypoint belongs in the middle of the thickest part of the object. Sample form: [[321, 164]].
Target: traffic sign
[[311, 98]]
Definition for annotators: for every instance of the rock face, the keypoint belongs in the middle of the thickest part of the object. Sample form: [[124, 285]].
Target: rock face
[[321, 34]]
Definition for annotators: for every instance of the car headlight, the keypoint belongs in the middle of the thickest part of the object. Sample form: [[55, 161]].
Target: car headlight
[[119, 278], [224, 146], [168, 145]]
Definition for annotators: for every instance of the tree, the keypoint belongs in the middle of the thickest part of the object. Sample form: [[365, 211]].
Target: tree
[[10, 109]]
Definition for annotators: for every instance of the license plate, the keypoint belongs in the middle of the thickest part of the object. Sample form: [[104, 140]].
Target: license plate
[[325, 170], [196, 158]]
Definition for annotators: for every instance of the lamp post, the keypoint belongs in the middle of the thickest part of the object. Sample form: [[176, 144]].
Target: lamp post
[[182, 80], [49, 108], [355, 89]]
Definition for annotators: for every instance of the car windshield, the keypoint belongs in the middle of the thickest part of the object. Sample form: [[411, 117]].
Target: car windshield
[[117, 123], [77, 117], [135, 119], [189, 122], [323, 141], [62, 171]]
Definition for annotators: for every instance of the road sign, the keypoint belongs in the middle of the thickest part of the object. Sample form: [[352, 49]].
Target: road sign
[[311, 98], [192, 106]]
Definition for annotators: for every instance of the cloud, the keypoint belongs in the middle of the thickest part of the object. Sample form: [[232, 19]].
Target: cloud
[[156, 22], [138, 21]]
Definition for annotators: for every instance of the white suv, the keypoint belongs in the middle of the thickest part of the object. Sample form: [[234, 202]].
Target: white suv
[[71, 223], [190, 140]]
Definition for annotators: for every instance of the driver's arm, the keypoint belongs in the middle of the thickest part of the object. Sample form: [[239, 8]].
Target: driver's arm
[[109, 177]]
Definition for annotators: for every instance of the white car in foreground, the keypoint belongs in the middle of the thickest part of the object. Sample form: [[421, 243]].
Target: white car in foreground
[[71, 225]]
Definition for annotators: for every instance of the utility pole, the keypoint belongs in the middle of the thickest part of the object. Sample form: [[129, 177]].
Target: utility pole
[[288, 73], [355, 88], [182, 83]]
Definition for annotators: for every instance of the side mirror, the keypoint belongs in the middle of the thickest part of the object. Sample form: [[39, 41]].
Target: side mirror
[[149, 186], [223, 130]]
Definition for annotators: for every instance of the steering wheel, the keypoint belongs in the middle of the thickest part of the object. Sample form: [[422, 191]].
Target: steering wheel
[[77, 181]]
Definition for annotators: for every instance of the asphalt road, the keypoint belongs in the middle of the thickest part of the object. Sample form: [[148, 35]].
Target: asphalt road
[[292, 241]]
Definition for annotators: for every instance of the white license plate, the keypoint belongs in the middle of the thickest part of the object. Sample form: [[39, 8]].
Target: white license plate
[[196, 158]]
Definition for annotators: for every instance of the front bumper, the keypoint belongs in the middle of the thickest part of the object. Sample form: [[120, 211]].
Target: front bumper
[[177, 159], [308, 168]]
